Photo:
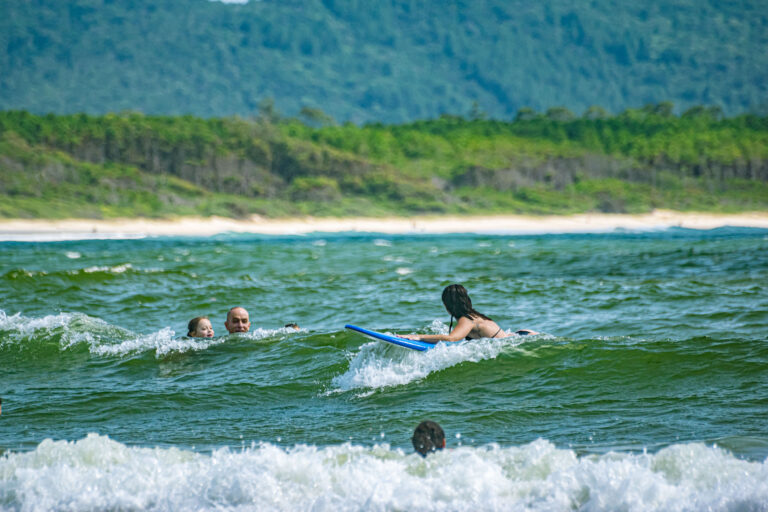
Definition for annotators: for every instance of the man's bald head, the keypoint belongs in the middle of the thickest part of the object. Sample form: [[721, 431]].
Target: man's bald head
[[237, 320]]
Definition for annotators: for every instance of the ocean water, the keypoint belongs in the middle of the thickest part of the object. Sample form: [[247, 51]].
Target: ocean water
[[647, 389]]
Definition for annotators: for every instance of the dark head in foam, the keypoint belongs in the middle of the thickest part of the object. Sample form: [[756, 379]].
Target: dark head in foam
[[428, 437]]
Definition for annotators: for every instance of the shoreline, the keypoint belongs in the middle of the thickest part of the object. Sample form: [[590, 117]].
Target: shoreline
[[84, 229]]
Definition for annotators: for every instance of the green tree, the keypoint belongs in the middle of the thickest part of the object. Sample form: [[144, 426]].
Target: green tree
[[561, 114], [315, 116]]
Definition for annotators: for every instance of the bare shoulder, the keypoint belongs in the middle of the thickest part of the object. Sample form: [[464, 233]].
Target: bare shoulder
[[466, 321], [487, 328]]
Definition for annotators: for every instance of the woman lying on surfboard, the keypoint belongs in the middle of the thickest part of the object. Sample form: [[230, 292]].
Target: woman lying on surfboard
[[471, 324]]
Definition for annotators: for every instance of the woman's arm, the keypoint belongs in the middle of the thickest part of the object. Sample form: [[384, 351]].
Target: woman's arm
[[463, 327]]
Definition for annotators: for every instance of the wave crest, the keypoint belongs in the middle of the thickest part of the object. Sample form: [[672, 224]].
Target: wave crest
[[98, 473], [68, 331]]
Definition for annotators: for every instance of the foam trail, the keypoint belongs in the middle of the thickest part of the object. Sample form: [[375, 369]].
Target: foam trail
[[378, 365], [97, 473]]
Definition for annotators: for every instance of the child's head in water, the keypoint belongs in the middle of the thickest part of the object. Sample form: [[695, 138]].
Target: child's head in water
[[428, 437], [200, 327]]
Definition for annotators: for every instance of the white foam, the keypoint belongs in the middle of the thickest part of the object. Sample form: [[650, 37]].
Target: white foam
[[162, 342], [74, 328], [260, 333], [165, 341], [394, 259], [102, 338], [29, 325], [27, 273], [379, 365], [117, 269], [97, 473]]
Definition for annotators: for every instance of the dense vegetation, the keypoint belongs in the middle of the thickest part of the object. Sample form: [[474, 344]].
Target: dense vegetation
[[132, 164], [388, 61]]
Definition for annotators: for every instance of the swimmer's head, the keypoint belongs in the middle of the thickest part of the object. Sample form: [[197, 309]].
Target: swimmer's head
[[457, 301], [428, 437], [200, 327], [237, 320], [292, 326]]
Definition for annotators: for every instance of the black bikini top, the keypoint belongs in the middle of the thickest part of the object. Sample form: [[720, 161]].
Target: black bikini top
[[497, 332]]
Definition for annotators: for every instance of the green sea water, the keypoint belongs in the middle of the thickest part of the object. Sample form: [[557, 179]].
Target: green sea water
[[653, 360]]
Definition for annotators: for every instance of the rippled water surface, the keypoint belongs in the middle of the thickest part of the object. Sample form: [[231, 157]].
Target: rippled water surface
[[647, 389]]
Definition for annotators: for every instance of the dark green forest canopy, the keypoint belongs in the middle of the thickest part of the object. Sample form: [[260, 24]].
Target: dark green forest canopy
[[388, 61], [543, 163]]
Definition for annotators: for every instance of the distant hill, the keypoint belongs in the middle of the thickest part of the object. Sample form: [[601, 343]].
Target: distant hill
[[382, 60]]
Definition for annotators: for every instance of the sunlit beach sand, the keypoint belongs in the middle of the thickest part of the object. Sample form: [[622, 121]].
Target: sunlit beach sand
[[20, 229]]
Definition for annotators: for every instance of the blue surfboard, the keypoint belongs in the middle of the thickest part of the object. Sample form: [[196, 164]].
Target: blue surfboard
[[395, 340]]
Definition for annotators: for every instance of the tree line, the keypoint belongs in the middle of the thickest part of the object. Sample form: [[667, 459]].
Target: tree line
[[540, 162]]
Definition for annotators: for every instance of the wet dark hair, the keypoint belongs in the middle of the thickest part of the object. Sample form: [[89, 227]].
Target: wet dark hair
[[192, 326], [428, 437], [457, 302]]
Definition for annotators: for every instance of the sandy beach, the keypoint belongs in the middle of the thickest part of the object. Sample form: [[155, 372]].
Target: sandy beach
[[78, 229]]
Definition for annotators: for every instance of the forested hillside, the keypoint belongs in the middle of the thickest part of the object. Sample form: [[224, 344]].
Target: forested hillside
[[388, 60], [130, 164]]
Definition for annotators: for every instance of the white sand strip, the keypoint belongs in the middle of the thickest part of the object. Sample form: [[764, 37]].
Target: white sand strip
[[77, 229]]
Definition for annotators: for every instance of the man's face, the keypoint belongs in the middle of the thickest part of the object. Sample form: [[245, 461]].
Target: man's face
[[237, 321]]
